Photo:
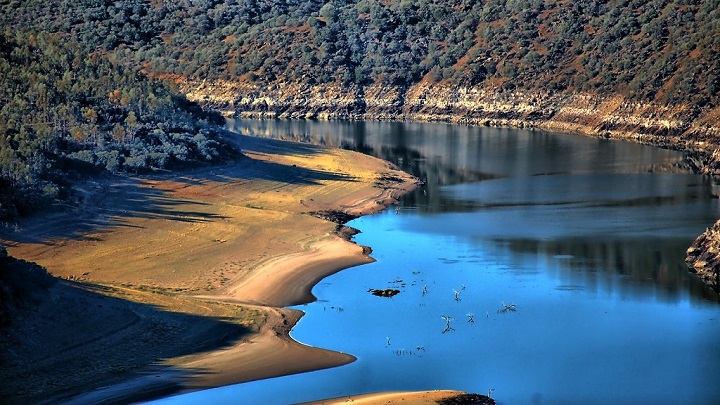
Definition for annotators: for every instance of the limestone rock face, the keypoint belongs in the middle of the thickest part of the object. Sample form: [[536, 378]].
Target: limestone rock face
[[703, 256]]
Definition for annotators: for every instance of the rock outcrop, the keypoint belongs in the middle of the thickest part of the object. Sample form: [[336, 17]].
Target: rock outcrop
[[703, 256]]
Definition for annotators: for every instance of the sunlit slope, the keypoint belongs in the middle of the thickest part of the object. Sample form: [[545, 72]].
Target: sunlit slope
[[649, 51]]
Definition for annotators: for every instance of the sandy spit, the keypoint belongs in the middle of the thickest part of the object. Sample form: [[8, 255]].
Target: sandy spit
[[387, 398]]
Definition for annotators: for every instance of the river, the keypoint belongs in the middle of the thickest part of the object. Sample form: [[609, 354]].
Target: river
[[543, 268]]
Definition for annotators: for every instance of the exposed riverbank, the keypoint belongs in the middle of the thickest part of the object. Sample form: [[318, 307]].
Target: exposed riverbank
[[176, 282]]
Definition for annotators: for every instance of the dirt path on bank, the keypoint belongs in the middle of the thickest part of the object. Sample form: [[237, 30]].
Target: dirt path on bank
[[177, 278]]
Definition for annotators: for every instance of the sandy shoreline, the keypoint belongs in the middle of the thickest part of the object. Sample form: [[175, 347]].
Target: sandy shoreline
[[232, 244], [386, 398]]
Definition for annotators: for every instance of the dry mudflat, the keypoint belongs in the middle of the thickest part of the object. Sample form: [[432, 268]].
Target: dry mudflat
[[177, 281]]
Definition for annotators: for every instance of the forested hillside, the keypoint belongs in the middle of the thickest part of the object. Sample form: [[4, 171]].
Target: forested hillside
[[64, 111], [664, 51]]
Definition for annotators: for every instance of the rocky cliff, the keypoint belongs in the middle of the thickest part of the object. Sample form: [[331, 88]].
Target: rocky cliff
[[703, 256]]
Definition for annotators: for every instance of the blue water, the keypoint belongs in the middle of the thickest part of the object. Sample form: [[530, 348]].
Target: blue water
[[583, 238]]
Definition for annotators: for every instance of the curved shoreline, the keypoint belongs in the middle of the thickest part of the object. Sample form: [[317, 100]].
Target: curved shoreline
[[235, 239]]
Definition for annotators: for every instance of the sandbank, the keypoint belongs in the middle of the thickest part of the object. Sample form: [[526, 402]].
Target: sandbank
[[144, 260], [383, 398]]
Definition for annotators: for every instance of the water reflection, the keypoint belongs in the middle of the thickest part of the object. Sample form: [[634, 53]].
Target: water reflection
[[443, 154], [640, 269]]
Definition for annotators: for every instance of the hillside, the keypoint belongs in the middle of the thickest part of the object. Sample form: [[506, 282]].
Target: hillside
[[642, 70], [65, 113], [661, 51]]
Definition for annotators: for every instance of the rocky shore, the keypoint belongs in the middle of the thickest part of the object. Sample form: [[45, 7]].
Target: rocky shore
[[703, 256]]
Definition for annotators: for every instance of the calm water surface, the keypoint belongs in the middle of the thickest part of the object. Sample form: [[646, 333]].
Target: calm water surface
[[585, 237]]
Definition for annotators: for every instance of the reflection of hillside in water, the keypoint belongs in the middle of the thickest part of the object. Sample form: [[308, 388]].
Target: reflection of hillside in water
[[443, 154], [594, 265], [435, 163]]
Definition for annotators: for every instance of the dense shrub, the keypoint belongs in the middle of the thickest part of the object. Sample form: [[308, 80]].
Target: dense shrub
[[61, 103]]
